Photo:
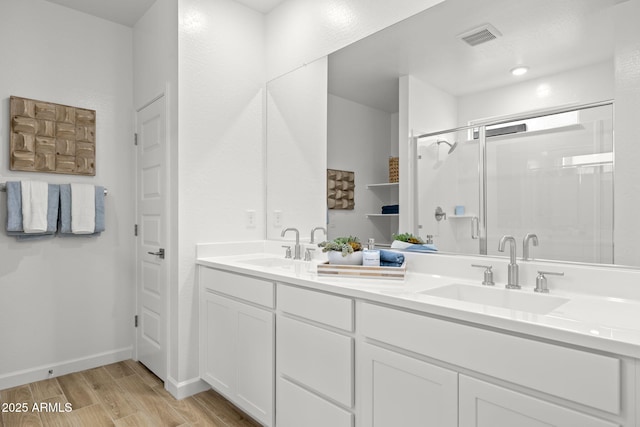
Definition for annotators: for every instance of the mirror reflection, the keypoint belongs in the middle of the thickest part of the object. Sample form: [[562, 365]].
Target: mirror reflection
[[446, 73], [548, 178]]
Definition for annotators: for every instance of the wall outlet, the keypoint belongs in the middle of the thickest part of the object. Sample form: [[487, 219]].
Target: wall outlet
[[277, 218], [250, 218]]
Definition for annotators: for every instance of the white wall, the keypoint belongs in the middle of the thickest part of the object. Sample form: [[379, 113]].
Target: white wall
[[67, 303], [359, 141], [296, 157], [221, 149], [301, 31]]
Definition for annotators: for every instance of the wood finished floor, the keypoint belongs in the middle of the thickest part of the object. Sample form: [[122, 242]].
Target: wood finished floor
[[123, 394]]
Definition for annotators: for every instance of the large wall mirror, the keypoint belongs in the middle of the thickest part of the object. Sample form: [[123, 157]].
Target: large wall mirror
[[517, 154]]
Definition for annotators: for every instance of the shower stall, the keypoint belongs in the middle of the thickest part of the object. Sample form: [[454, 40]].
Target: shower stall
[[549, 173]]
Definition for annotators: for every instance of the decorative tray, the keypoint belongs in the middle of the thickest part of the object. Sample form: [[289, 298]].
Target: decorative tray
[[361, 271]]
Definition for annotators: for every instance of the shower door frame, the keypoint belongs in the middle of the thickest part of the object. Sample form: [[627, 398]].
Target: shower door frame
[[481, 126]]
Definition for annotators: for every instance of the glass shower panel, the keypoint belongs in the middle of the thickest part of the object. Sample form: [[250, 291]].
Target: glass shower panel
[[554, 178], [447, 176]]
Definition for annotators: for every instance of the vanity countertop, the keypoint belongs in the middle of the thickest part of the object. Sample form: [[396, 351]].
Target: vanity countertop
[[598, 322]]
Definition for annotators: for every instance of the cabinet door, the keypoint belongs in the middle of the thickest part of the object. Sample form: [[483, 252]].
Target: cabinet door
[[255, 362], [398, 390], [237, 354], [217, 345], [488, 405]]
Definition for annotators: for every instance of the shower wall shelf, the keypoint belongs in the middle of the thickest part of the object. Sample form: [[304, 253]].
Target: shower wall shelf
[[382, 215], [462, 216]]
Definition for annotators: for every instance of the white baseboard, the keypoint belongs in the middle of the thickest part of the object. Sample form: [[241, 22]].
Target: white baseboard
[[26, 376], [183, 389]]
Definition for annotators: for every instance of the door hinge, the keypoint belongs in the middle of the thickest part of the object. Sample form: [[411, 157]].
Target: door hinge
[[135, 229], [135, 321], [135, 139]]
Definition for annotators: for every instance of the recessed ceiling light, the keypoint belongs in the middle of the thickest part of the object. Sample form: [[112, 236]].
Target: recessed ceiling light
[[519, 70]]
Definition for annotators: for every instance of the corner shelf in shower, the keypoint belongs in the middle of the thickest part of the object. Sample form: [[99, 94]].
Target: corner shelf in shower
[[382, 215]]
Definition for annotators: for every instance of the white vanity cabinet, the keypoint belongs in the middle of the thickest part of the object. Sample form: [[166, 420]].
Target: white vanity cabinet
[[237, 340], [425, 368], [397, 390], [315, 359], [486, 404]]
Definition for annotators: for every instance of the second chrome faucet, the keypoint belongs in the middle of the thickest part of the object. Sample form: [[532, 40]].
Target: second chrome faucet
[[296, 250], [512, 269]]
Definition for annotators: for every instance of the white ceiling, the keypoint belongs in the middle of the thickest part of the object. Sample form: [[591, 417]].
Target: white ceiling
[[128, 12], [549, 36]]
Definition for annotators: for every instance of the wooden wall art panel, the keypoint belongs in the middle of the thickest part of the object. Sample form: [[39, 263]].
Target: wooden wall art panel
[[54, 138], [340, 189]]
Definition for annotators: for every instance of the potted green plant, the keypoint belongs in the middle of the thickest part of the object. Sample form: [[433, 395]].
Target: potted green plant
[[405, 240], [343, 250]]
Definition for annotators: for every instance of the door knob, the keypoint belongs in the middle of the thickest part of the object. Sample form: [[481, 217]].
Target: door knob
[[160, 253]]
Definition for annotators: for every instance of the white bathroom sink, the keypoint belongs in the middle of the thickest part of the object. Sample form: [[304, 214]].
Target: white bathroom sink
[[511, 299]]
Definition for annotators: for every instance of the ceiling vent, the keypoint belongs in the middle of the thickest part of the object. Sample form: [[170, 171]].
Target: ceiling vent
[[480, 35]]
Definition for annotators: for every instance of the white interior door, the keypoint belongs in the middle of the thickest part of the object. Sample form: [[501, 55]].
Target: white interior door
[[151, 198]]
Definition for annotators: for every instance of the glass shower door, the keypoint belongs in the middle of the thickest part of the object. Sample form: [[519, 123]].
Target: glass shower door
[[447, 173], [553, 177]]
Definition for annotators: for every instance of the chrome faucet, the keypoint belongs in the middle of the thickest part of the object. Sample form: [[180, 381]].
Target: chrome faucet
[[324, 230], [525, 245], [296, 248], [512, 278]]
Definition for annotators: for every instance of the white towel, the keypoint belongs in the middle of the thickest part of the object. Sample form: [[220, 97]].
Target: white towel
[[83, 209], [35, 202]]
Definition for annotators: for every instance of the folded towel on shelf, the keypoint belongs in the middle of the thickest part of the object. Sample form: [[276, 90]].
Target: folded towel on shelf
[[391, 258], [83, 209], [14, 212], [390, 209], [66, 213], [35, 201], [421, 248]]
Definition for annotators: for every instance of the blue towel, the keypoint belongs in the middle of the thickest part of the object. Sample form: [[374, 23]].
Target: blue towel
[[14, 206], [100, 220], [391, 258], [421, 248], [65, 212], [390, 209], [14, 212]]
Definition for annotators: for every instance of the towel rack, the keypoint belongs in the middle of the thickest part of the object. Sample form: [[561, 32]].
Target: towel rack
[[3, 188]]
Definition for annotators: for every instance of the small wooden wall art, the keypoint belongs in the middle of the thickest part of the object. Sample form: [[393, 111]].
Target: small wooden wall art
[[54, 138], [340, 186]]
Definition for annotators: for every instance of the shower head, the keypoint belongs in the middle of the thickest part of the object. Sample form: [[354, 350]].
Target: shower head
[[451, 147]]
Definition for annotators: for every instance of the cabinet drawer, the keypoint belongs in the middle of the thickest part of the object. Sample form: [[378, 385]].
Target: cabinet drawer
[[317, 358], [317, 306], [298, 407], [247, 288], [583, 377]]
